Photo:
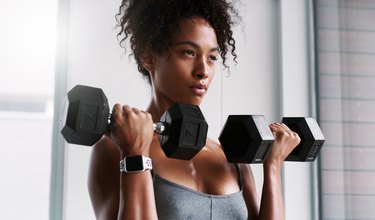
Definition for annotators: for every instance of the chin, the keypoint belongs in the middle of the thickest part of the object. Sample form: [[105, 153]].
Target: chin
[[192, 101], [196, 101]]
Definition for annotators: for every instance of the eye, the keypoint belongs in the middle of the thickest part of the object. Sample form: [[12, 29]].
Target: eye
[[213, 58], [188, 52]]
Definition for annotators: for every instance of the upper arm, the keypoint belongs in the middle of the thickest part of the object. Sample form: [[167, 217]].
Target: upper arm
[[103, 179], [249, 191]]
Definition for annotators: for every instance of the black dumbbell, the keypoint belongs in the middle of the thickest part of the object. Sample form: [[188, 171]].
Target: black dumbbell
[[248, 138], [312, 138], [182, 129]]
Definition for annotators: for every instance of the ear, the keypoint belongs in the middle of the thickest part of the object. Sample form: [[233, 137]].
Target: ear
[[147, 60]]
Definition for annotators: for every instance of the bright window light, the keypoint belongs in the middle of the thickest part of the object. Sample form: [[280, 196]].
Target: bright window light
[[27, 54]]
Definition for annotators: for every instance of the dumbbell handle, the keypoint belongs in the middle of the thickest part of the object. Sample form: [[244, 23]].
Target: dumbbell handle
[[159, 127]]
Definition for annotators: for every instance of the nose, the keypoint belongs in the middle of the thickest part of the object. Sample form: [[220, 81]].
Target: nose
[[202, 69]]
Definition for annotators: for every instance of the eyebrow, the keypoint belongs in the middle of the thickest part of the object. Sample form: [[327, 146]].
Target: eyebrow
[[196, 46]]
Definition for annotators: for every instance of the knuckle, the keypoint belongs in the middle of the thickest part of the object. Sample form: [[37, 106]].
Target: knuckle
[[146, 114], [298, 138], [295, 134], [285, 133], [126, 109], [116, 107]]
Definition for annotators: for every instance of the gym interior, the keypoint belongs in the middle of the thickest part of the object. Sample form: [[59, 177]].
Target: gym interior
[[295, 59]]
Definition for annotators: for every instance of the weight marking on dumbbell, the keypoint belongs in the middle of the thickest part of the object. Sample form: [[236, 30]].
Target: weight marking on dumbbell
[[314, 152], [89, 116], [191, 134]]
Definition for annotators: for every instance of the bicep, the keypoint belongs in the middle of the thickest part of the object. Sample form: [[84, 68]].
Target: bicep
[[103, 179], [249, 191]]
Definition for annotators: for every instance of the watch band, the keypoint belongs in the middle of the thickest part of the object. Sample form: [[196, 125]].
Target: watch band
[[134, 164]]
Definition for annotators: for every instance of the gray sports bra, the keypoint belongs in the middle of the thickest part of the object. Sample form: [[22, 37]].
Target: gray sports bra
[[177, 202]]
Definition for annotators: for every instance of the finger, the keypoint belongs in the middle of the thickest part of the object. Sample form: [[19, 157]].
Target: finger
[[141, 113], [126, 109], [276, 124], [135, 110], [275, 127], [148, 115], [284, 126], [296, 135], [281, 127], [117, 109]]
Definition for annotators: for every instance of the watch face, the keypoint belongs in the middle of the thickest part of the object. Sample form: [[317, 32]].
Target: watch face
[[134, 163]]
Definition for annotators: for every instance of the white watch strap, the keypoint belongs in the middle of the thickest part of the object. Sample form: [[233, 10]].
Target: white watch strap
[[147, 162]]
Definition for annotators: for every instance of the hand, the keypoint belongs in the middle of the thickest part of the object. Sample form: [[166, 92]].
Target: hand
[[131, 129], [285, 141]]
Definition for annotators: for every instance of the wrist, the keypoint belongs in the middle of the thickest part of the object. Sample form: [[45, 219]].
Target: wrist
[[135, 164], [134, 152], [273, 165]]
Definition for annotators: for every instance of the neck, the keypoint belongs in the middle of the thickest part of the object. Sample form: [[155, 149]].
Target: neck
[[157, 108]]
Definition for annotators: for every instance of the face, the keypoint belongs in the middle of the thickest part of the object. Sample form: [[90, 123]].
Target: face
[[184, 73]]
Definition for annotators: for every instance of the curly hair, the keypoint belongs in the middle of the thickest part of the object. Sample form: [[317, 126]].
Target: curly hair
[[149, 24]]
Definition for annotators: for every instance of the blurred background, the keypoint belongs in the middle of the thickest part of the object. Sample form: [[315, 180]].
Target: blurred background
[[296, 58]]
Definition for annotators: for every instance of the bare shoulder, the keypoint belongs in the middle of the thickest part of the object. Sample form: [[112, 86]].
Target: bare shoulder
[[212, 144], [214, 151], [249, 188], [103, 179], [246, 170]]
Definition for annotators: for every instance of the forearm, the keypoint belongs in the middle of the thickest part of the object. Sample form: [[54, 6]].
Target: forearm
[[137, 200], [272, 205]]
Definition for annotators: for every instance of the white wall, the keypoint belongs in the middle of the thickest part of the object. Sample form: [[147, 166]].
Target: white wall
[[259, 84], [298, 180]]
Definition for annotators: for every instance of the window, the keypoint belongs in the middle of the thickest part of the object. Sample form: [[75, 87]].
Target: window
[[27, 43], [346, 58]]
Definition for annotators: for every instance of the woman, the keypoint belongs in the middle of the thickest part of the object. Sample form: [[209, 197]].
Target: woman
[[176, 45]]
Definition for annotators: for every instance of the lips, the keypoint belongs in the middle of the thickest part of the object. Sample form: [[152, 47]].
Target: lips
[[199, 89]]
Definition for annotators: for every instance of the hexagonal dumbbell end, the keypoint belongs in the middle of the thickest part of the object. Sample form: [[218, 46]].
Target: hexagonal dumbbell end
[[84, 118], [186, 131], [246, 138], [312, 138]]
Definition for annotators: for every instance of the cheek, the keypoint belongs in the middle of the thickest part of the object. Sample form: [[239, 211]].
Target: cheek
[[177, 71], [168, 75], [212, 75]]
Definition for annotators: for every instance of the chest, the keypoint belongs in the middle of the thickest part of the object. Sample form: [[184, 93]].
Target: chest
[[176, 202], [208, 172]]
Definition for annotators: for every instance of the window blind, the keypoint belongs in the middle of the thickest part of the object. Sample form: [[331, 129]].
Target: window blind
[[345, 32]]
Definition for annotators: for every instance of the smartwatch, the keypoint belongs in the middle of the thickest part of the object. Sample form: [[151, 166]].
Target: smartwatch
[[134, 164]]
